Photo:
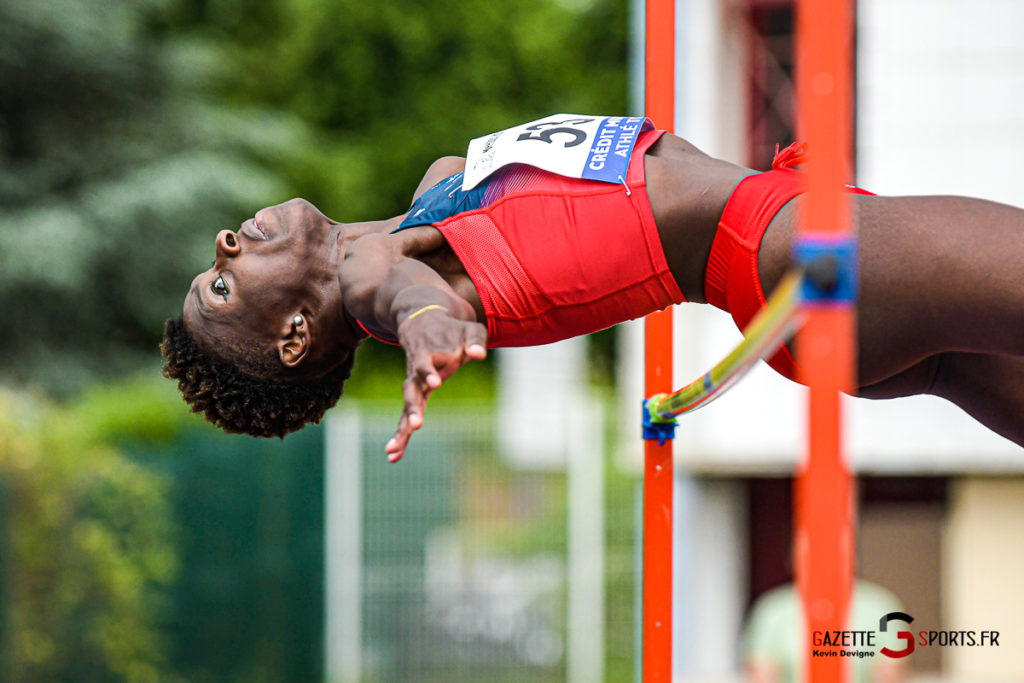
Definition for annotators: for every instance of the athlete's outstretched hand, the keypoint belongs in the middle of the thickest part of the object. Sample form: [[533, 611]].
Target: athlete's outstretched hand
[[436, 345]]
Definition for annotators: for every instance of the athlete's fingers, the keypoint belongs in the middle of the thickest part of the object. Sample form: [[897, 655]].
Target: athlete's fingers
[[426, 370], [475, 341], [415, 401], [395, 447], [435, 366]]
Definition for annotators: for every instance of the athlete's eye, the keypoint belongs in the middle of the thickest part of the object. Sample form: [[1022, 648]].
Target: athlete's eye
[[220, 288]]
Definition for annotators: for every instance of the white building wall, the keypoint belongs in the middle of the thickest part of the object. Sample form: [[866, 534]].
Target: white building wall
[[982, 589], [940, 110], [941, 97], [709, 578]]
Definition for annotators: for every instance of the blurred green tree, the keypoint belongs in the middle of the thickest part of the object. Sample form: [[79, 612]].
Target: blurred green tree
[[131, 130], [389, 86], [109, 173], [88, 553]]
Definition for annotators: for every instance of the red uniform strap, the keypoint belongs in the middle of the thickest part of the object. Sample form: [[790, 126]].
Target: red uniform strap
[[377, 336]]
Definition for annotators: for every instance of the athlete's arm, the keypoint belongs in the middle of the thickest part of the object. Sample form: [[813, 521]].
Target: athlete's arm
[[438, 171], [408, 299]]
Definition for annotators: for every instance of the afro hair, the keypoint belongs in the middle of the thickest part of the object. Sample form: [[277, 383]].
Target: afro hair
[[241, 403]]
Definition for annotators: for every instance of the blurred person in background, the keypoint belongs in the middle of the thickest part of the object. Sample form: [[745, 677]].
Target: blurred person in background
[[775, 640]]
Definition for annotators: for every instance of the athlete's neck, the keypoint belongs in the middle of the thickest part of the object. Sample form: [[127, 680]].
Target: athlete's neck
[[350, 232]]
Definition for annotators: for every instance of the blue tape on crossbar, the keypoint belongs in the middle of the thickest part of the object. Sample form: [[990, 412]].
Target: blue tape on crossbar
[[830, 269], [662, 431]]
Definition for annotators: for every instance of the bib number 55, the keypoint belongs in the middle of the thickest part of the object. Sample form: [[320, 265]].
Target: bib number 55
[[547, 130]]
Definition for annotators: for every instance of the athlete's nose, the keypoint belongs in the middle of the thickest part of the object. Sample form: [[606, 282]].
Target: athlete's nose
[[226, 244]]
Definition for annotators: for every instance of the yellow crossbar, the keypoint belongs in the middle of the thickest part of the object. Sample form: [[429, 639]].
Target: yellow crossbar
[[776, 322]]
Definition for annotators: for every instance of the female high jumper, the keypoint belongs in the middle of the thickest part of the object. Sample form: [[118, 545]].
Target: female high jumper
[[568, 225]]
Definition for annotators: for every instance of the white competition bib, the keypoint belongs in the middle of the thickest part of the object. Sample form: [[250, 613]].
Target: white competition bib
[[591, 147]]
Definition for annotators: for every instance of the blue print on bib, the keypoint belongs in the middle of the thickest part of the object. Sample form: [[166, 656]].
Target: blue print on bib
[[609, 156]]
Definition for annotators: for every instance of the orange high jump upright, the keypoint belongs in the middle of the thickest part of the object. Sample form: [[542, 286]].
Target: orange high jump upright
[[659, 105], [824, 536]]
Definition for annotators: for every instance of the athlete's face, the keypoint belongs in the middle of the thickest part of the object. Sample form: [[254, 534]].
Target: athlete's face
[[278, 265]]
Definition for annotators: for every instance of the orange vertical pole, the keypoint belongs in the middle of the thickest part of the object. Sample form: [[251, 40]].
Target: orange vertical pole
[[824, 535], [659, 104]]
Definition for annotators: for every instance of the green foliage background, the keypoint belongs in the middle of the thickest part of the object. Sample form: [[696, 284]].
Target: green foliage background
[[131, 131], [87, 555]]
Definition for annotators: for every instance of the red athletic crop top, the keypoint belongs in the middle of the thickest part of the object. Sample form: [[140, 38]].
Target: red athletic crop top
[[554, 257]]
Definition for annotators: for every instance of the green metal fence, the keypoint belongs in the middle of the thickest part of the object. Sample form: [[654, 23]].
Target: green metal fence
[[248, 604], [464, 567]]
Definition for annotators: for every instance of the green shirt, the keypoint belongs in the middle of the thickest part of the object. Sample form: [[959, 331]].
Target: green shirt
[[775, 631]]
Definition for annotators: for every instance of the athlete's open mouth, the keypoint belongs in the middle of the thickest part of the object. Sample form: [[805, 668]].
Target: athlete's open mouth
[[254, 230]]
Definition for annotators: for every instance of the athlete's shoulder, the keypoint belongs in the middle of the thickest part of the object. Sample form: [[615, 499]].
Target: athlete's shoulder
[[444, 167], [437, 172]]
